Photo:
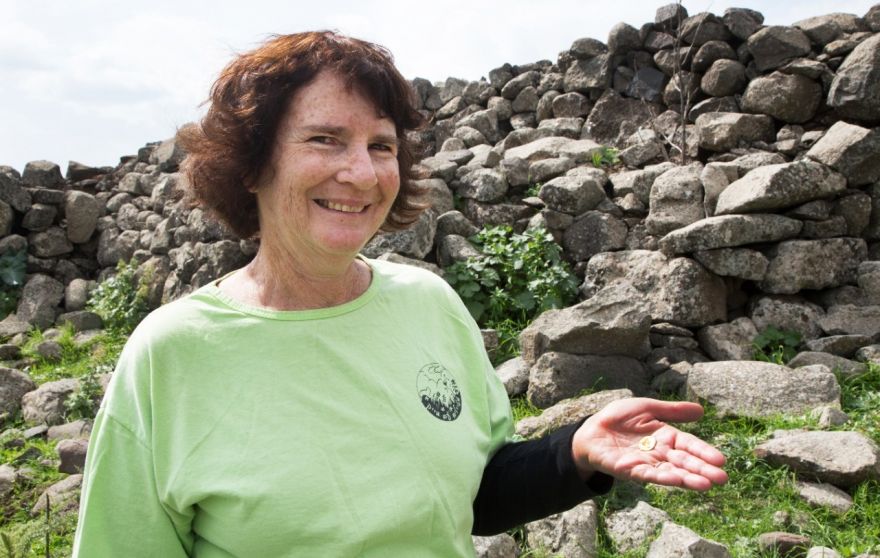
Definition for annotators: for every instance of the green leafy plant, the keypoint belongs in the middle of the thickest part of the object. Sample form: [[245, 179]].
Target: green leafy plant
[[13, 265], [775, 345], [606, 157], [517, 277], [84, 401], [534, 189], [121, 300]]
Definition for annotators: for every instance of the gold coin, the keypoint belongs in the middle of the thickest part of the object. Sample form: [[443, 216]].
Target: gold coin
[[647, 443]]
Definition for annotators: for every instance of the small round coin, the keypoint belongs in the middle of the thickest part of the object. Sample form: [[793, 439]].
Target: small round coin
[[647, 443]]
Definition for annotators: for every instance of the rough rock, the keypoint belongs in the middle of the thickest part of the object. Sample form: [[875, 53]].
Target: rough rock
[[724, 78], [790, 98], [485, 185], [613, 322], [840, 458], [630, 528], [676, 200], [731, 341], [773, 46], [853, 92], [824, 495], [557, 376], [71, 430], [46, 403], [514, 374], [72, 454], [849, 319], [675, 290], [42, 174], [82, 212], [39, 298], [842, 365], [575, 193], [62, 496], [497, 546], [13, 385], [7, 481], [611, 112], [774, 187], [785, 545], [592, 233], [761, 389], [813, 264], [840, 345], [726, 231], [787, 313], [681, 542], [734, 262], [572, 534], [415, 241], [568, 411], [851, 150], [822, 552]]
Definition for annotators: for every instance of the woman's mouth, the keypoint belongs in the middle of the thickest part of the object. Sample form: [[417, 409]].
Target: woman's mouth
[[344, 208]]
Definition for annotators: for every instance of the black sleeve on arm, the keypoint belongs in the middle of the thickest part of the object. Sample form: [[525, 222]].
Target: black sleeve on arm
[[525, 481]]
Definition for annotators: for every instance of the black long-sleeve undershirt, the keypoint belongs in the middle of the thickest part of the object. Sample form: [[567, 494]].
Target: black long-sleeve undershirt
[[525, 481]]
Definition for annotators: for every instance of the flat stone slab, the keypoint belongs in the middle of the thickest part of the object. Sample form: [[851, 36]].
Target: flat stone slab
[[573, 534], [825, 495], [680, 542], [631, 528], [568, 411], [726, 231], [761, 389], [558, 376], [843, 459]]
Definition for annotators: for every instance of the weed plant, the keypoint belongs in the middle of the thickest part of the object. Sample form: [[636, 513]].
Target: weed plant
[[606, 157], [517, 277], [121, 300], [776, 345]]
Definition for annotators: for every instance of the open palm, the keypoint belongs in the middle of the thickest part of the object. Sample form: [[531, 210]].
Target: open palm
[[609, 442]]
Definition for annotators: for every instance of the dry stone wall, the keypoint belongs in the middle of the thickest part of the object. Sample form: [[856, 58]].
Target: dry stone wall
[[747, 196]]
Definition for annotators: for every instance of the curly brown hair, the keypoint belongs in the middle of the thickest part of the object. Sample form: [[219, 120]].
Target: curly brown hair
[[230, 147]]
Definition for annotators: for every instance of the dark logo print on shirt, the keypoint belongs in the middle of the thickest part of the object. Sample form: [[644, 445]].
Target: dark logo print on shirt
[[439, 392]]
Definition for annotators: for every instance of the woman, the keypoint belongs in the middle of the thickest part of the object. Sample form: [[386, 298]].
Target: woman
[[315, 403]]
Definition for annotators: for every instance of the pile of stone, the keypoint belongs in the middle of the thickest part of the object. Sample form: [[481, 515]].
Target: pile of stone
[[747, 196]]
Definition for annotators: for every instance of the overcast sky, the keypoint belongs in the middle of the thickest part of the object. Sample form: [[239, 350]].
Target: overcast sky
[[91, 80]]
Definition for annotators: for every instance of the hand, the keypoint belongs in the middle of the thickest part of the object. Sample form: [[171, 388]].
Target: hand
[[609, 442]]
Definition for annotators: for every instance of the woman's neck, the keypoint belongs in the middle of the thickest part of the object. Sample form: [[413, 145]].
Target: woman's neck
[[280, 283]]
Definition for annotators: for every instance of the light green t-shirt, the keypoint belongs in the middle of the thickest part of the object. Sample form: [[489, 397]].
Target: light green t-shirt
[[357, 430]]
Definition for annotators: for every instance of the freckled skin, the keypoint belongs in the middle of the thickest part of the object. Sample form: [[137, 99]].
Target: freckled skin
[[332, 147]]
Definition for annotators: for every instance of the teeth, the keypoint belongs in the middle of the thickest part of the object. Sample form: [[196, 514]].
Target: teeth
[[341, 207]]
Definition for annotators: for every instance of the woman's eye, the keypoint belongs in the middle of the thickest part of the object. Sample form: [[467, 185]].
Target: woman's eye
[[383, 147], [326, 140]]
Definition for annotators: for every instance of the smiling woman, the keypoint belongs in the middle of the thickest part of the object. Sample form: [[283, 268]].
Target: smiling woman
[[315, 402]]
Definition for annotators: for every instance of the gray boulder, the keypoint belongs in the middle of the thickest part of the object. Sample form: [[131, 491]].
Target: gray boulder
[[630, 528], [849, 319], [82, 212], [613, 322], [826, 28], [734, 262], [568, 411], [731, 341], [724, 78], [773, 46], [49, 243], [774, 187], [573, 534], [813, 264], [841, 345], [824, 495], [762, 389], [63, 496], [72, 454], [589, 74], [12, 191], [790, 98], [39, 300], [498, 546], [676, 200], [852, 151], [571, 105], [840, 458], [834, 363], [787, 313], [485, 185], [675, 290], [723, 131], [726, 231], [45, 405], [575, 193], [558, 376], [592, 233], [853, 92], [42, 174], [680, 542], [514, 374], [869, 280], [13, 385], [416, 241], [604, 124], [638, 182]]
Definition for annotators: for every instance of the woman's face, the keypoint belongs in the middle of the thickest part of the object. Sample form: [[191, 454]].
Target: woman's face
[[334, 174]]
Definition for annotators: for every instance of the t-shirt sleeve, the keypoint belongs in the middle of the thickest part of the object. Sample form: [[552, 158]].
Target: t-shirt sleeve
[[121, 507], [120, 512]]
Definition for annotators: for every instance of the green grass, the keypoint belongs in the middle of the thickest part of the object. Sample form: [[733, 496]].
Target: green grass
[[38, 455]]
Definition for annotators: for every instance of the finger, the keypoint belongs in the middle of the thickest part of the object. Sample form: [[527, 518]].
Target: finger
[[672, 411], [695, 466], [697, 447], [667, 474]]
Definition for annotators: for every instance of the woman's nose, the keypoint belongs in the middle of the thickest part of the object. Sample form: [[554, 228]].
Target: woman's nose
[[358, 168]]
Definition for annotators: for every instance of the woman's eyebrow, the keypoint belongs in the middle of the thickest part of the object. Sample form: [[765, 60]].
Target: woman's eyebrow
[[340, 130]]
